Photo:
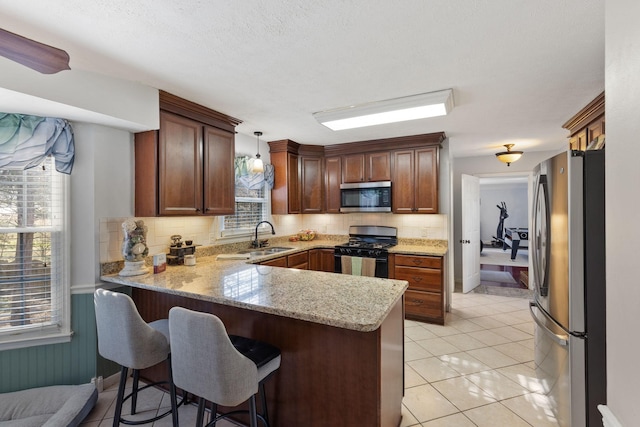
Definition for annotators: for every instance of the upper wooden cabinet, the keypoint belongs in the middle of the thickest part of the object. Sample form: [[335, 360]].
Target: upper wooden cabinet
[[332, 181], [364, 167], [186, 167], [415, 180], [587, 124], [285, 194], [308, 178]]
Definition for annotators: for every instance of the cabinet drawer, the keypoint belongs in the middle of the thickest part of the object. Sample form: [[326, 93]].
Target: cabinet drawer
[[419, 261], [294, 260], [423, 305], [277, 262], [423, 279]]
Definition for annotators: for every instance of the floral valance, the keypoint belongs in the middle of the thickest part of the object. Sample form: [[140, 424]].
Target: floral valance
[[246, 178], [25, 141]]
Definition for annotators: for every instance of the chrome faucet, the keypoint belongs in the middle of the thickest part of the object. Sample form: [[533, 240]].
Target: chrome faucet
[[256, 243]]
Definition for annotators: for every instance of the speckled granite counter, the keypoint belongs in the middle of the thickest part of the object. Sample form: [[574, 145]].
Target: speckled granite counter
[[350, 302]]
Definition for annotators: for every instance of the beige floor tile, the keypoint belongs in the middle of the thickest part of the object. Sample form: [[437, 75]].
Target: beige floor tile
[[105, 399], [492, 357], [414, 351], [497, 385], [465, 325], [495, 415], [530, 344], [464, 363], [487, 322], [525, 327], [463, 393], [455, 420], [419, 333], [524, 315], [489, 338], [438, 346], [412, 378], [511, 333], [515, 351], [506, 318], [408, 420], [533, 408], [91, 424], [433, 369], [442, 331], [426, 403], [524, 375], [464, 342]]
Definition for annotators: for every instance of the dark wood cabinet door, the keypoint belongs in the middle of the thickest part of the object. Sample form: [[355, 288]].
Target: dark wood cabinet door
[[276, 262], [293, 184], [311, 180], [327, 260], [426, 180], [180, 165], [353, 168], [219, 176], [403, 190], [379, 166], [333, 179]]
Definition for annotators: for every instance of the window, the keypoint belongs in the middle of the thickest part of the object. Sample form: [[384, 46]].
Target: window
[[34, 290], [252, 206]]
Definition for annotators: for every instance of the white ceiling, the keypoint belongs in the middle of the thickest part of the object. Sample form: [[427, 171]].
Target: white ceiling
[[519, 69]]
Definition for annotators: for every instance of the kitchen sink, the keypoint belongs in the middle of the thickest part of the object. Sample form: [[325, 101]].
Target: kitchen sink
[[264, 251]]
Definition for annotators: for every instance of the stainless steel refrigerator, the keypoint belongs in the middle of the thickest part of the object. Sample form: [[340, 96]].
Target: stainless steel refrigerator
[[568, 259]]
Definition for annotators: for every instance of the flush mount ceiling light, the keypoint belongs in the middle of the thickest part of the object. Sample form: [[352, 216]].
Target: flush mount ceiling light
[[509, 156], [258, 166], [412, 107]]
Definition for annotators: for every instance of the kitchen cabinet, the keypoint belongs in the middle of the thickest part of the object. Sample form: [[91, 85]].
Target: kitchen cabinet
[[299, 260], [364, 167], [587, 124], [424, 299], [311, 179], [332, 181], [415, 180], [285, 194], [185, 167], [277, 262], [322, 260]]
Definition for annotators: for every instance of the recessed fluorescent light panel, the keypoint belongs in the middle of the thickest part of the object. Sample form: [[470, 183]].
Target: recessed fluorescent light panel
[[432, 104]]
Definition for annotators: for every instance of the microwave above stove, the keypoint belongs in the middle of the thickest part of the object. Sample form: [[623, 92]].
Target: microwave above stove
[[365, 197]]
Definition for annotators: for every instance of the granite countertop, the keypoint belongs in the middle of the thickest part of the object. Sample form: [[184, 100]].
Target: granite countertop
[[350, 302]]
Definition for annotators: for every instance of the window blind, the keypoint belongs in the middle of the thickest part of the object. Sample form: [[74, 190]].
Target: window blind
[[31, 249], [252, 206]]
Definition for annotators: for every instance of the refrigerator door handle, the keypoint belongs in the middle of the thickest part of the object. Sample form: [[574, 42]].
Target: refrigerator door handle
[[562, 340]]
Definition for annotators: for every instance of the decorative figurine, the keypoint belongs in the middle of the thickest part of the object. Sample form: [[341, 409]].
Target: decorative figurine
[[134, 247]]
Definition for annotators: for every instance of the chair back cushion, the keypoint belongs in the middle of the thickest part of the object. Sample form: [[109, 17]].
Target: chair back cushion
[[204, 361], [123, 336]]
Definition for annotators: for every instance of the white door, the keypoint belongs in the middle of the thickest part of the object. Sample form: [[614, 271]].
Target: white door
[[470, 232]]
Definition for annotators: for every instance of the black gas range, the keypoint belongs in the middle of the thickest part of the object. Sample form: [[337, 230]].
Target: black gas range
[[368, 241]]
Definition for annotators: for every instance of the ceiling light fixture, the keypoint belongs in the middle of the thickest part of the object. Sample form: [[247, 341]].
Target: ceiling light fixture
[[509, 156], [258, 166], [412, 107]]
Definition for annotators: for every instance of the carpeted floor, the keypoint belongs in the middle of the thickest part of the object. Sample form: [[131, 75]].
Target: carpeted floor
[[496, 276], [496, 256]]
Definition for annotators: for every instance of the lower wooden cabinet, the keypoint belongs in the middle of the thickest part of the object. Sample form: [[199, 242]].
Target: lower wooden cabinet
[[322, 260], [299, 260], [424, 299], [276, 262], [313, 259]]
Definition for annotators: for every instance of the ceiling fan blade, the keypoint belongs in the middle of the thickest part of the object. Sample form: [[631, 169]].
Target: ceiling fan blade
[[30, 53]]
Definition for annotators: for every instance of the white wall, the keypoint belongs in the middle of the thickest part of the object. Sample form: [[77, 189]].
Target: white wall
[[622, 88]]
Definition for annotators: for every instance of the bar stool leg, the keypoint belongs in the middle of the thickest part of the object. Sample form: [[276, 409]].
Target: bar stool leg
[[123, 382], [172, 394], [253, 412], [134, 391], [200, 418], [263, 398]]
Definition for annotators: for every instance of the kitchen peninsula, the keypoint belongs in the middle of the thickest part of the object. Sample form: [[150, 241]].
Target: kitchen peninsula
[[341, 336]]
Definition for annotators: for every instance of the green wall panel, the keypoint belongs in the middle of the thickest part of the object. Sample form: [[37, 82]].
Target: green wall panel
[[68, 363]]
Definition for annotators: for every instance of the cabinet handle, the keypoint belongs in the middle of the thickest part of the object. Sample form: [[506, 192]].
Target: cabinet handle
[[417, 261], [417, 279], [197, 209], [416, 301]]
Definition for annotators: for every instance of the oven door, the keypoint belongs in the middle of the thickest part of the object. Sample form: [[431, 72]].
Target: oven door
[[382, 263]]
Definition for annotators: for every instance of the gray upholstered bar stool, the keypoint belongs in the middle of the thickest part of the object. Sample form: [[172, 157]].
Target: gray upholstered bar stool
[[125, 338], [224, 370]]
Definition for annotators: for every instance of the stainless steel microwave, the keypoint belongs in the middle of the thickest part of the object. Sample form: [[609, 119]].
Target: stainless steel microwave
[[365, 197]]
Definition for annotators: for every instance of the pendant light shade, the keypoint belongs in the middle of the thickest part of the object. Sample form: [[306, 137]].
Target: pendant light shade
[[509, 156], [258, 166]]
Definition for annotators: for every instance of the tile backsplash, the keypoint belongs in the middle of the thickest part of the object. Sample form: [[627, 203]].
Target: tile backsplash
[[205, 230]]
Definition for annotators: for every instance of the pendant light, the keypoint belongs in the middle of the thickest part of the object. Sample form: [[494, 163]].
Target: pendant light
[[509, 156], [258, 166]]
